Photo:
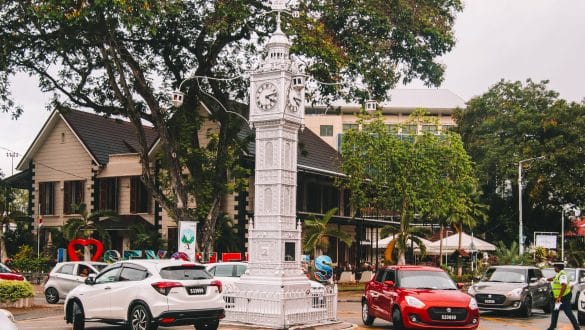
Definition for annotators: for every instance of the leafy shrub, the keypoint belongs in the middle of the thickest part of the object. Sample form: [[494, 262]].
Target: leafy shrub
[[25, 260], [14, 290]]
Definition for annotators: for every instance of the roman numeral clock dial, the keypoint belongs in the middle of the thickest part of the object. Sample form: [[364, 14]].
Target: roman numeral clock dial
[[266, 96]]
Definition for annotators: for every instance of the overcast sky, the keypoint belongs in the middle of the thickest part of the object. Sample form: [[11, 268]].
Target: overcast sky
[[496, 39]]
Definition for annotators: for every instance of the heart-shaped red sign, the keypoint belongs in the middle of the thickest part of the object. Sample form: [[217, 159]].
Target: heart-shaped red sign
[[99, 248]]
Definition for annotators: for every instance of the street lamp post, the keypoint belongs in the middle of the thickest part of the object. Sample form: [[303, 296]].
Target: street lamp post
[[12, 154], [520, 225]]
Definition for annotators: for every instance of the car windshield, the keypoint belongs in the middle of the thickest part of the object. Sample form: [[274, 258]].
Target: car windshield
[[571, 273], [4, 269], [421, 279], [548, 272], [507, 275], [187, 272]]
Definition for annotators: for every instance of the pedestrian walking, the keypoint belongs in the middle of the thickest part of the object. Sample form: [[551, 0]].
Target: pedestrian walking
[[561, 289]]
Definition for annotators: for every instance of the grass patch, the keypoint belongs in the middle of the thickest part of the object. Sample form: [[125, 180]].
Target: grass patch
[[351, 286]]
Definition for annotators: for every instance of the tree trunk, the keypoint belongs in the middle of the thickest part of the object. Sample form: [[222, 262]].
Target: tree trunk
[[441, 245]]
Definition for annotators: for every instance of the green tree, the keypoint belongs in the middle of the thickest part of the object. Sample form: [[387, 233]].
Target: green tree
[[514, 121], [421, 174], [122, 57], [88, 224], [318, 233]]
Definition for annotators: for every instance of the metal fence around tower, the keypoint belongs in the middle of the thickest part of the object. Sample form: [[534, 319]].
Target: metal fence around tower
[[281, 309]]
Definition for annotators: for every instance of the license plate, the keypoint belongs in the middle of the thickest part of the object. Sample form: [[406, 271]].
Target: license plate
[[196, 290], [449, 317], [489, 301]]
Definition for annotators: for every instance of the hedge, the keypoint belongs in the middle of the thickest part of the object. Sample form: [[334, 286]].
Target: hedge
[[11, 291]]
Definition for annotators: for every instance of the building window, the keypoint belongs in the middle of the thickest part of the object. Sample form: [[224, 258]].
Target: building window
[[408, 130], [139, 196], [108, 194], [326, 130], [347, 127], [47, 197], [447, 127], [392, 128], [429, 129], [72, 195], [289, 251]]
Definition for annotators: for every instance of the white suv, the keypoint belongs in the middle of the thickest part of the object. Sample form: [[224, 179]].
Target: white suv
[[143, 294]]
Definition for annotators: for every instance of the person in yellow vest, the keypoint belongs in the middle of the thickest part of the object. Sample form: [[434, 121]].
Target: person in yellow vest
[[561, 290]]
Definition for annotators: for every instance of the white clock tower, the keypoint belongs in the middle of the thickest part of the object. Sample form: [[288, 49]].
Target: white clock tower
[[276, 113]]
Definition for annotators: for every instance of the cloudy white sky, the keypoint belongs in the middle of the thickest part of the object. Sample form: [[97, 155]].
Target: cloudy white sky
[[496, 39]]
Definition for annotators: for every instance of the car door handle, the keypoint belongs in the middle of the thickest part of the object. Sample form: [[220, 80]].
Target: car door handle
[[107, 288], [374, 294]]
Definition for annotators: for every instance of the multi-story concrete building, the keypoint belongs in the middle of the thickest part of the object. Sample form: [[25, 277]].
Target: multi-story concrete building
[[329, 122]]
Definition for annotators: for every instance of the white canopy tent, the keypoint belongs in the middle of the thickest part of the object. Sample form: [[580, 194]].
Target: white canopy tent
[[451, 243], [383, 243]]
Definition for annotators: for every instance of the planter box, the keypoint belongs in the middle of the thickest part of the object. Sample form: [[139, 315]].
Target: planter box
[[20, 303]]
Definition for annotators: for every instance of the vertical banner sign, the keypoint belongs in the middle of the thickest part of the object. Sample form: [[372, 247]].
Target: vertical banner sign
[[187, 238]]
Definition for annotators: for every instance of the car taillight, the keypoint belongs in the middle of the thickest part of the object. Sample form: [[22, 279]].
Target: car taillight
[[217, 284], [165, 287]]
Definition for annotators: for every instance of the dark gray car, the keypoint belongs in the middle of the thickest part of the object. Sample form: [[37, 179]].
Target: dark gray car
[[513, 288]]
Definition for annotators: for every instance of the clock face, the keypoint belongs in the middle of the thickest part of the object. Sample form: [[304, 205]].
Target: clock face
[[294, 100], [266, 96]]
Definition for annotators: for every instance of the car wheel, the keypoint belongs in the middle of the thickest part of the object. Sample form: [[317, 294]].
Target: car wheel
[[52, 295], [581, 318], [140, 318], [366, 317], [78, 317], [211, 325], [526, 309], [397, 320]]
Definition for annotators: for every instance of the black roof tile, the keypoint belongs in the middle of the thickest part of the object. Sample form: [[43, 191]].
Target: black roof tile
[[106, 136]]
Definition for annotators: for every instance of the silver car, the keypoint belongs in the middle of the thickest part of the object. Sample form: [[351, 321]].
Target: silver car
[[65, 276]]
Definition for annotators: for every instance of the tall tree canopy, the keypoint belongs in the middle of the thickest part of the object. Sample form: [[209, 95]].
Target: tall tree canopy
[[123, 57], [514, 121], [424, 175]]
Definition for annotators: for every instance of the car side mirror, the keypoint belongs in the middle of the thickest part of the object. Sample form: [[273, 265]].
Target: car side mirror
[[477, 278], [460, 285], [389, 283], [90, 280]]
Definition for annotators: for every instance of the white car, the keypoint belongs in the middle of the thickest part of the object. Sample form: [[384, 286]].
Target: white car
[[145, 294], [7, 320], [229, 273], [581, 309], [65, 276]]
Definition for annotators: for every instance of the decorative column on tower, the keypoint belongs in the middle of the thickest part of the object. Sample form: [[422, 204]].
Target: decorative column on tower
[[277, 114]]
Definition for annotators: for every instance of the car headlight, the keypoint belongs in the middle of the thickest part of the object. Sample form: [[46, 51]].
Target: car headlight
[[473, 304], [516, 292], [471, 290], [414, 302]]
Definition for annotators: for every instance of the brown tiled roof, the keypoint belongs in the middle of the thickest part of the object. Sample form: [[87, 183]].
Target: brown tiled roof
[[106, 136]]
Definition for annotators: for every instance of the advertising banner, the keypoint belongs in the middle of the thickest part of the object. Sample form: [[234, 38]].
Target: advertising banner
[[187, 238]]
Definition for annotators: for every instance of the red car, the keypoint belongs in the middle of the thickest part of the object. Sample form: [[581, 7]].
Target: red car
[[418, 297], [8, 274]]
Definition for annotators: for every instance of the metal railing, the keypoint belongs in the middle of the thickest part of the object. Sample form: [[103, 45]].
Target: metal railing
[[281, 309]]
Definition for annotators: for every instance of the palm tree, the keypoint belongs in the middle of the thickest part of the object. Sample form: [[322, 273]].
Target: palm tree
[[466, 214], [510, 256], [317, 233], [145, 239], [88, 223], [228, 239], [400, 241]]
